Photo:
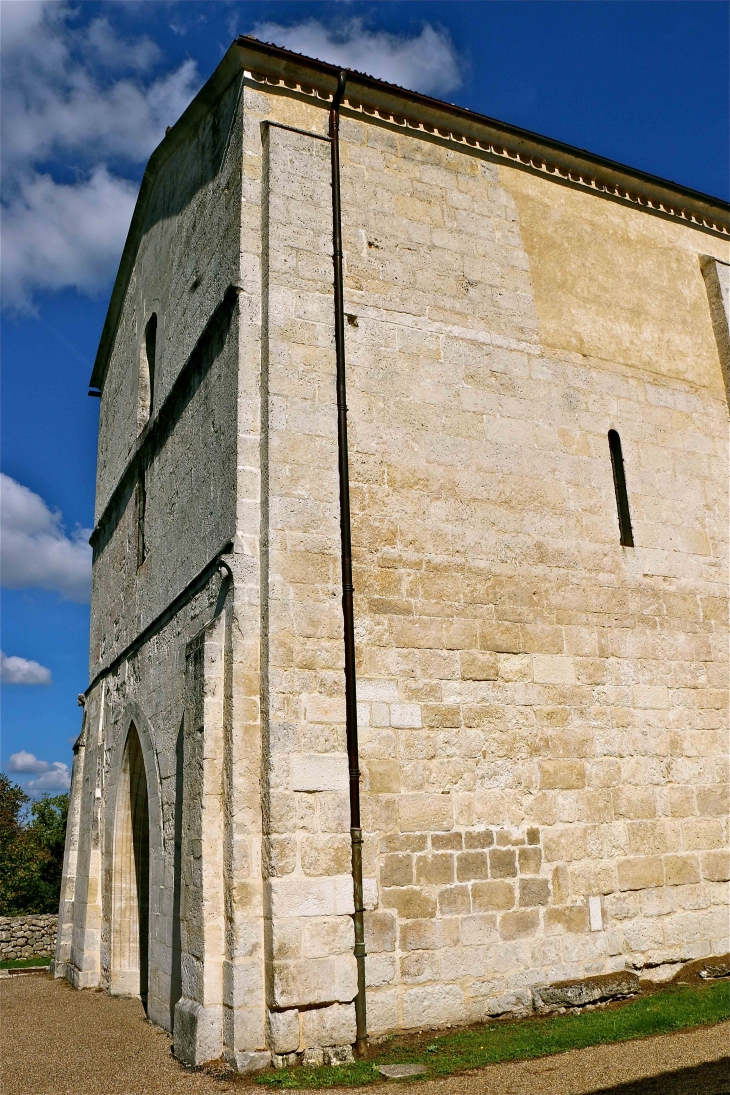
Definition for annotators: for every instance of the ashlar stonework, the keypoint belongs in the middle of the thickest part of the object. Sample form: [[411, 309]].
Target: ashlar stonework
[[542, 710]]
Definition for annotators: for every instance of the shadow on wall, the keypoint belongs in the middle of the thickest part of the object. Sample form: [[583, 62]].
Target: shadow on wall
[[205, 353], [196, 161]]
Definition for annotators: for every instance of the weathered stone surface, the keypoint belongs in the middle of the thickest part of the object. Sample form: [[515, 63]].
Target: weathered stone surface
[[314, 981], [284, 1060], [681, 870], [718, 967], [429, 812], [398, 1072], [493, 895], [318, 773], [249, 1061], [640, 873], [330, 1026], [716, 866], [284, 1031], [28, 936], [313, 1057], [515, 925], [198, 1032], [433, 1006], [502, 863], [706, 968], [311, 897], [588, 990], [338, 1055]]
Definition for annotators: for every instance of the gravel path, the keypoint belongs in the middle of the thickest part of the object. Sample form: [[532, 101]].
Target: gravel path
[[57, 1041]]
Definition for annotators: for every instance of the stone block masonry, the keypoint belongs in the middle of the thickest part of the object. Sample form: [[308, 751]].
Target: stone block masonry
[[542, 710], [29, 936]]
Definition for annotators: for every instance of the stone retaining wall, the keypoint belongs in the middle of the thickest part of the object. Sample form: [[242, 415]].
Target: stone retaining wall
[[33, 935]]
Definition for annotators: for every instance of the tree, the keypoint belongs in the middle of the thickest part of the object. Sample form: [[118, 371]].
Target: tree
[[31, 850]]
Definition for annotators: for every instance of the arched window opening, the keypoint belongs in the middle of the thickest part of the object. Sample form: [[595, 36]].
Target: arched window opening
[[147, 356], [626, 535], [131, 876]]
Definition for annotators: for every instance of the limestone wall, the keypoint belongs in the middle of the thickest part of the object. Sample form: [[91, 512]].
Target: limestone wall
[[542, 712], [187, 257], [186, 271], [29, 936], [187, 260]]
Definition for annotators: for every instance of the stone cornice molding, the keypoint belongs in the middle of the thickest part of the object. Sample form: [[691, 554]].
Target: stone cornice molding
[[411, 111], [387, 104]]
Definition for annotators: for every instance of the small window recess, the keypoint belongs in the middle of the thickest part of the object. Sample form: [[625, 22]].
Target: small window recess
[[619, 482], [146, 390]]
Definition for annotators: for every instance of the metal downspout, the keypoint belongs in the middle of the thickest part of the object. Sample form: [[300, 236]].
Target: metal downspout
[[347, 589]]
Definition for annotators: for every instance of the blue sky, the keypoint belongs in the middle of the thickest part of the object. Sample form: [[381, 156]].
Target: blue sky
[[88, 91]]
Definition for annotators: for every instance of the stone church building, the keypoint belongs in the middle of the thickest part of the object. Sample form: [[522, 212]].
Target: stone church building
[[502, 760]]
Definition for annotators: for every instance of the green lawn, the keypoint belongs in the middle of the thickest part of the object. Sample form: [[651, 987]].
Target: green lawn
[[672, 1008], [24, 963]]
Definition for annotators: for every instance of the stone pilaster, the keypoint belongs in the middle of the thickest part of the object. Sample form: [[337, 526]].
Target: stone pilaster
[[198, 1024]]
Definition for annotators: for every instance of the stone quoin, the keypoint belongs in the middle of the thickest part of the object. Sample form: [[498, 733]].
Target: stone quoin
[[537, 358]]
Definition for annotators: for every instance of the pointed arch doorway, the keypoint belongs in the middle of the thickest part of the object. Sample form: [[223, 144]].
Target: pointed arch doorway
[[131, 876]]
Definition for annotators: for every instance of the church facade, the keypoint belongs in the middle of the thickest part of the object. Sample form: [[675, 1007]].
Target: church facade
[[533, 784]]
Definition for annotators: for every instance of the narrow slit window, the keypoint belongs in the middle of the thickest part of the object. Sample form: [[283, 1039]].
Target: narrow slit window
[[147, 356], [150, 345], [619, 482]]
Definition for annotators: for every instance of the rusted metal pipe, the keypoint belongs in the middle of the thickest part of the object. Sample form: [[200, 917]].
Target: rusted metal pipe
[[348, 613]]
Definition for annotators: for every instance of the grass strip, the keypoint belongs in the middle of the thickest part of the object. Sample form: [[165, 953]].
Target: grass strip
[[671, 1009], [23, 963]]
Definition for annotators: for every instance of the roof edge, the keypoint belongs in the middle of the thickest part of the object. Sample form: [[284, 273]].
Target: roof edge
[[276, 61], [273, 66], [212, 90]]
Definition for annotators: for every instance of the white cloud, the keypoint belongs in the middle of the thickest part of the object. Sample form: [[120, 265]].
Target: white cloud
[[57, 779], [35, 551], [20, 21], [426, 62], [81, 103], [57, 235], [15, 670], [124, 120], [26, 762], [55, 776], [60, 99], [116, 53], [84, 101]]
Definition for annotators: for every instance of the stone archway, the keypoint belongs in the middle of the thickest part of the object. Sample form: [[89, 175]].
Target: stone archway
[[130, 916]]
